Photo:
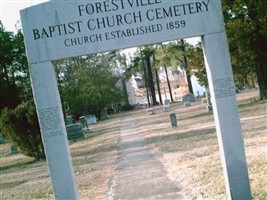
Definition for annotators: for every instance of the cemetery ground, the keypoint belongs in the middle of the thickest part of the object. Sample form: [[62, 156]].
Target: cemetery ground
[[189, 153]]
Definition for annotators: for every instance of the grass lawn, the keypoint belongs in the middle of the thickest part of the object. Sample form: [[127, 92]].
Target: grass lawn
[[190, 154]]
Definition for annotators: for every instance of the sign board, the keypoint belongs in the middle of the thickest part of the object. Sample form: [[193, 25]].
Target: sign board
[[84, 27]]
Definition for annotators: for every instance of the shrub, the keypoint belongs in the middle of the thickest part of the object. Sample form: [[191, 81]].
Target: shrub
[[20, 126], [127, 107]]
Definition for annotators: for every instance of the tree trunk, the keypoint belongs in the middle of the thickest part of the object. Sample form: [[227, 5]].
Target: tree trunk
[[188, 76], [261, 71], [168, 82], [158, 86], [259, 46], [150, 81], [145, 78], [125, 92]]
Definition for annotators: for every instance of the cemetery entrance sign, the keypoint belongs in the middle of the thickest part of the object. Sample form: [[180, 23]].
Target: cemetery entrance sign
[[61, 29], [81, 27]]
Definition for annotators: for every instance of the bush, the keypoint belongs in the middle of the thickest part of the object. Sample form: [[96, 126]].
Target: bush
[[127, 107], [20, 126]]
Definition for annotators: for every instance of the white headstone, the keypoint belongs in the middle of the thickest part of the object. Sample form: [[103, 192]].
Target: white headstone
[[91, 119]]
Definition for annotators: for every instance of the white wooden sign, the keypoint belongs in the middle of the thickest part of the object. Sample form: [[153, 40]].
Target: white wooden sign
[[61, 29]]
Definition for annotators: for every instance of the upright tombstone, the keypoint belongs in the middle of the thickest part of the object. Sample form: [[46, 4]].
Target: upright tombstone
[[14, 149], [188, 98], [167, 105], [75, 132], [69, 120], [173, 120], [84, 124], [2, 139], [62, 29], [104, 114], [91, 119]]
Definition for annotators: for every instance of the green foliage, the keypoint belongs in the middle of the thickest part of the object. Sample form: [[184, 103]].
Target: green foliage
[[20, 126], [196, 63], [14, 78], [88, 84], [246, 26], [127, 107], [175, 53]]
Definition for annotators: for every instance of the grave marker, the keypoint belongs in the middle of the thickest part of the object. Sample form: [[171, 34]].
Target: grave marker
[[62, 29], [173, 120], [91, 119]]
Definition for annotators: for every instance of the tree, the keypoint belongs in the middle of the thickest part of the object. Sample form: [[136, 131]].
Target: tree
[[87, 83], [175, 53], [196, 63], [20, 126], [147, 53], [246, 27], [14, 76], [143, 61], [9, 92], [164, 59], [18, 121]]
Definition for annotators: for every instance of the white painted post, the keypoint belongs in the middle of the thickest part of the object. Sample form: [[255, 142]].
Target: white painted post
[[53, 130], [229, 133]]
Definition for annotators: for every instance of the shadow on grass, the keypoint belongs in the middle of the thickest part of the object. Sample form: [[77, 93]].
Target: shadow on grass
[[103, 149], [197, 116], [17, 165], [250, 104], [184, 135], [94, 134], [11, 184], [176, 142]]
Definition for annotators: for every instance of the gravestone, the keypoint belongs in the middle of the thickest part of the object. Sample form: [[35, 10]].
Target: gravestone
[[209, 107], [167, 106], [167, 102], [187, 104], [75, 132], [84, 124], [173, 120], [188, 98], [2, 139], [91, 119], [14, 149], [104, 114], [150, 111], [204, 100], [208, 97], [70, 120], [61, 30]]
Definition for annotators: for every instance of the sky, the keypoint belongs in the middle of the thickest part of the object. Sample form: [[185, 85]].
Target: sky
[[9, 11]]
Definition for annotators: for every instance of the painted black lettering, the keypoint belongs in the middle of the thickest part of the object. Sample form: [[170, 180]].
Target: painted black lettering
[[199, 7], [206, 5], [36, 34], [44, 33]]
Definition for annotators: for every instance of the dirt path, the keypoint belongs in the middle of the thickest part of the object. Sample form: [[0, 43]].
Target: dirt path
[[139, 173]]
